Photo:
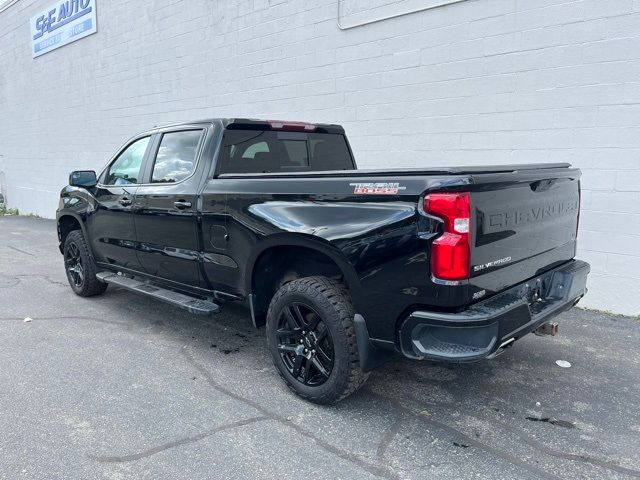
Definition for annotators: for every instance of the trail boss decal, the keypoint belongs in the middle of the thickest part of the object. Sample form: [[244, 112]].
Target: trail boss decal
[[376, 188]]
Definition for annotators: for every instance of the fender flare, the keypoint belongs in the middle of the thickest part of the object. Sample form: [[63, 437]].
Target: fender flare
[[78, 218]]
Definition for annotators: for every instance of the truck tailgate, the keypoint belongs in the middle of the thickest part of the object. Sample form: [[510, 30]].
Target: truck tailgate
[[525, 223]]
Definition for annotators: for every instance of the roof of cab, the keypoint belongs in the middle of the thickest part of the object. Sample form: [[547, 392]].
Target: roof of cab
[[257, 124]]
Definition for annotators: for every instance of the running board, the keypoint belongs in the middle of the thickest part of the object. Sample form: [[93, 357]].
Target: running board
[[192, 304]]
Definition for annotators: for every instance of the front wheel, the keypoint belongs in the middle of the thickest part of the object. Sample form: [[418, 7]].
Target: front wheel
[[312, 340], [80, 267]]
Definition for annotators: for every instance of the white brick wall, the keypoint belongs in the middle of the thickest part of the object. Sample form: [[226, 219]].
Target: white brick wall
[[480, 81]]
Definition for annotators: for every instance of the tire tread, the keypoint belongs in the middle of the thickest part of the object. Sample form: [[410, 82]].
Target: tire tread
[[338, 296], [92, 286]]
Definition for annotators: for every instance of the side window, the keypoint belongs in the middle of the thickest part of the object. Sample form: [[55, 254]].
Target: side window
[[176, 156], [125, 170]]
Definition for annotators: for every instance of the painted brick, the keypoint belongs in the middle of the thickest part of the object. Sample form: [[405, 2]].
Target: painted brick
[[624, 263], [621, 243], [614, 202], [628, 181], [600, 180], [614, 290], [607, 221]]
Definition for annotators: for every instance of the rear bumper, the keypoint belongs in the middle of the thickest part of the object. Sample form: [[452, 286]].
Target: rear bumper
[[487, 327]]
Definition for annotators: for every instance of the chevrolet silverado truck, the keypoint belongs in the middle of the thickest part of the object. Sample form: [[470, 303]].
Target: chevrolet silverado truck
[[344, 267]]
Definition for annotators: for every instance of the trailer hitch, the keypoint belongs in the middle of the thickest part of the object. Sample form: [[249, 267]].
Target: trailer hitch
[[546, 329]]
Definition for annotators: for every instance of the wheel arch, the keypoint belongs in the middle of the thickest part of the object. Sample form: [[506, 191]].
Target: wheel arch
[[66, 223], [286, 257]]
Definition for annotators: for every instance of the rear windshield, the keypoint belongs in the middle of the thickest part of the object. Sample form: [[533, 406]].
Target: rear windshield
[[255, 151]]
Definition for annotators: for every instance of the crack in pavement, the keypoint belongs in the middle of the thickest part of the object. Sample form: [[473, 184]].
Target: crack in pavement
[[16, 279], [176, 443], [388, 437], [465, 439], [532, 442], [607, 464], [383, 471], [19, 250], [602, 463], [72, 317], [390, 434], [45, 278], [8, 282]]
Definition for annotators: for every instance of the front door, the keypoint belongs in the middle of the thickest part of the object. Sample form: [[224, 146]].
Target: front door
[[111, 226], [165, 211]]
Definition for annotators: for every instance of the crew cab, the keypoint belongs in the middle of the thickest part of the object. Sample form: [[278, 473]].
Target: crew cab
[[345, 267]]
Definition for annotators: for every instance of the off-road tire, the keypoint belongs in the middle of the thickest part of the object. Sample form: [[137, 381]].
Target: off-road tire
[[331, 301], [90, 286]]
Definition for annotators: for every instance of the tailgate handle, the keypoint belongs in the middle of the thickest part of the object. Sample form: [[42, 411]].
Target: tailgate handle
[[542, 185]]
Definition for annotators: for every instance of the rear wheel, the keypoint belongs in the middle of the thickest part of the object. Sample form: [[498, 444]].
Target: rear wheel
[[312, 339], [80, 267]]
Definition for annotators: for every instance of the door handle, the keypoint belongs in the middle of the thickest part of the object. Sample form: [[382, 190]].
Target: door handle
[[125, 202], [181, 205]]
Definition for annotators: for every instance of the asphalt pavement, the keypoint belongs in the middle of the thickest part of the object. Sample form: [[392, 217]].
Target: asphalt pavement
[[120, 386]]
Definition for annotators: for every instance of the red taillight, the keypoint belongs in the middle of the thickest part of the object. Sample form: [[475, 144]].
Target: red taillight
[[450, 253]]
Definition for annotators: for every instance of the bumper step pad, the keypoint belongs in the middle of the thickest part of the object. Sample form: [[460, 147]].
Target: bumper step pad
[[194, 305], [488, 327]]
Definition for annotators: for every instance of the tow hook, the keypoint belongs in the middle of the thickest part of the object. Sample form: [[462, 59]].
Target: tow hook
[[548, 328]]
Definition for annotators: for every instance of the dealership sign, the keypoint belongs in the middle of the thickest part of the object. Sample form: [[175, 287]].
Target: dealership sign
[[63, 22]]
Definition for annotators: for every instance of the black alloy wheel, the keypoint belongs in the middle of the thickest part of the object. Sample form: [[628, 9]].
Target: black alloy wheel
[[305, 344], [312, 341], [73, 261], [80, 267]]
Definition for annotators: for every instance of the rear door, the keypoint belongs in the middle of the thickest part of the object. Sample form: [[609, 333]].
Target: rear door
[[111, 227], [166, 213], [525, 223], [233, 215]]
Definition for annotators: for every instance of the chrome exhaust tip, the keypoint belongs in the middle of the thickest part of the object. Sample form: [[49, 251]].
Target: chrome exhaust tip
[[503, 346]]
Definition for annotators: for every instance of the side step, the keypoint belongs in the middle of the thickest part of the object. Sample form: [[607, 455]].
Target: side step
[[192, 304]]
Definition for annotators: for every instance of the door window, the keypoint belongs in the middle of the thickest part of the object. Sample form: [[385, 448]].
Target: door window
[[176, 156], [125, 170]]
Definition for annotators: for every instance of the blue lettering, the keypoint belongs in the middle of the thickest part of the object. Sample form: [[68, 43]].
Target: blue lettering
[[51, 19], [63, 11], [39, 25], [69, 11]]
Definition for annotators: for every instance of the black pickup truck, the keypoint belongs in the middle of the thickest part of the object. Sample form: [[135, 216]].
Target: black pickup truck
[[344, 266]]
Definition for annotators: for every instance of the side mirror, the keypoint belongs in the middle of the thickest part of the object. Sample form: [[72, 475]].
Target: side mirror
[[83, 178]]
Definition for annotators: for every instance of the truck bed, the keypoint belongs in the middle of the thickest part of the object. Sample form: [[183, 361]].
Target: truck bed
[[405, 172]]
